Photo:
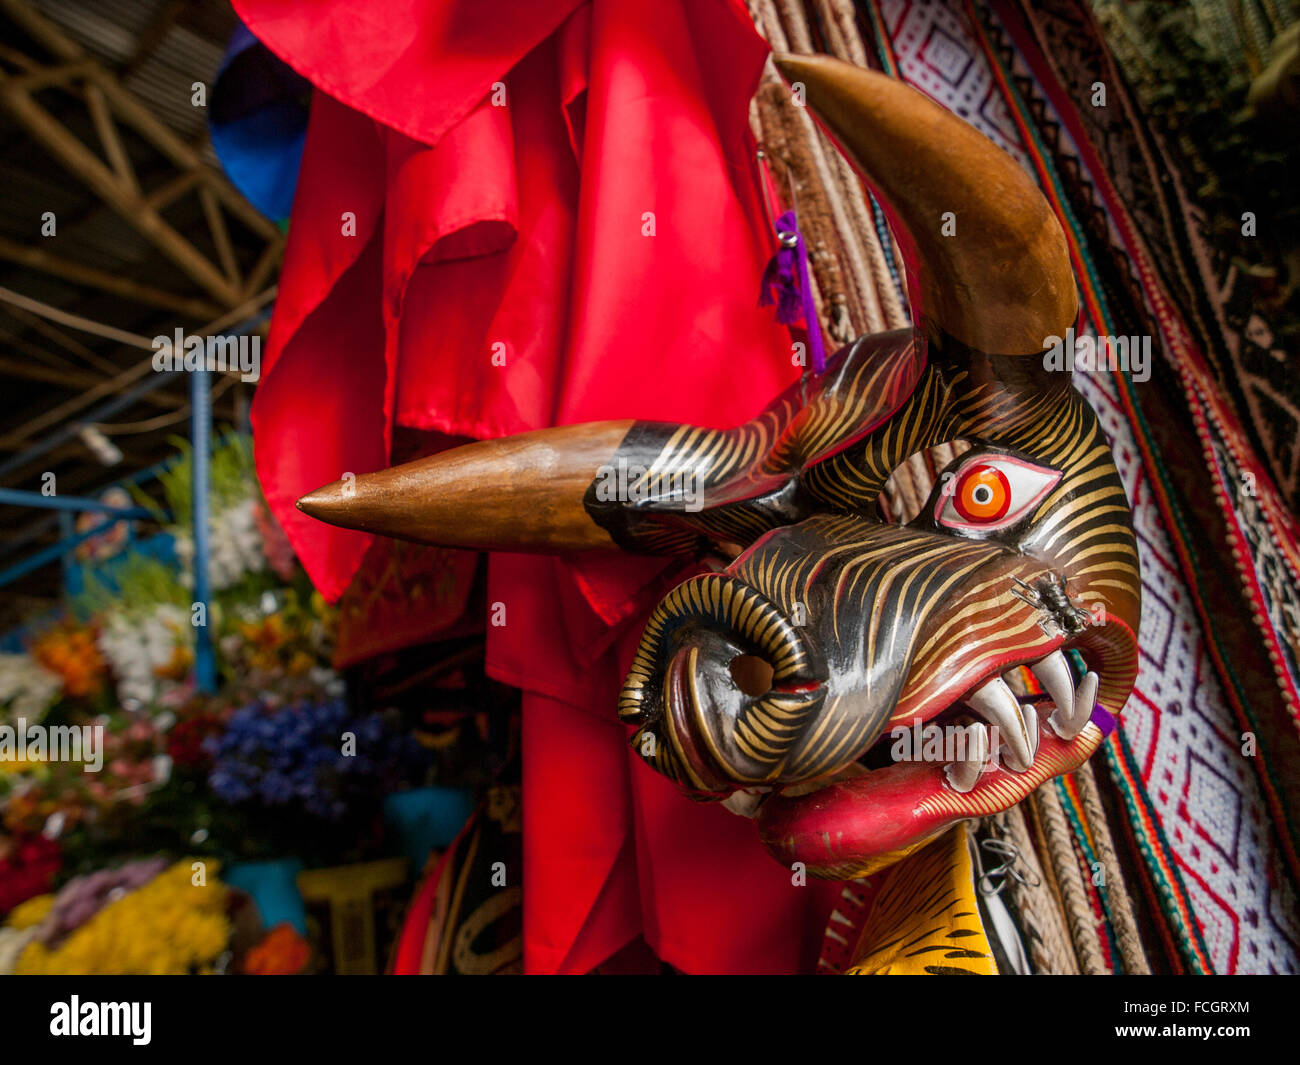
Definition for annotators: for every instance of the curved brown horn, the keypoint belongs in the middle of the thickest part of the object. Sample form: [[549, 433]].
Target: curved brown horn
[[518, 493], [1001, 283]]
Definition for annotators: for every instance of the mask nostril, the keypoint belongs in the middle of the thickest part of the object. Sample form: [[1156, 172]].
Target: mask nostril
[[752, 675]]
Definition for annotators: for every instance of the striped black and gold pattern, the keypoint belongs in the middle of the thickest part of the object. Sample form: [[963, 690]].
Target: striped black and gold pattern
[[925, 920], [856, 616]]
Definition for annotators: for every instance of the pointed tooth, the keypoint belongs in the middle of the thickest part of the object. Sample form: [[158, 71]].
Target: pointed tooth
[[963, 775], [1015, 680], [1087, 694], [1085, 697], [742, 803], [1085, 700], [995, 703], [1030, 717], [1053, 673]]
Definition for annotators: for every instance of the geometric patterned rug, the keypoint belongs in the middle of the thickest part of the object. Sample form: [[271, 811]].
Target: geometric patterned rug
[[1181, 731], [1188, 748]]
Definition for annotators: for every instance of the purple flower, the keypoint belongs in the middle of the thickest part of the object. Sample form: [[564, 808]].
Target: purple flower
[[293, 755]]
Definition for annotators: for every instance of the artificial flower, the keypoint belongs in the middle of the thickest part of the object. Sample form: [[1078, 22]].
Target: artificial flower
[[235, 546], [27, 870], [147, 649], [69, 650], [27, 689], [281, 952], [298, 756], [173, 925], [186, 742], [30, 913]]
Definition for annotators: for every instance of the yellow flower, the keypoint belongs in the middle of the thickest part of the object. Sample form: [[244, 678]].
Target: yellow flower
[[169, 926], [31, 912], [21, 765]]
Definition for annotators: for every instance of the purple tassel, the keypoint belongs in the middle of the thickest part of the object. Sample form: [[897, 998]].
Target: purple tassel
[[787, 283]]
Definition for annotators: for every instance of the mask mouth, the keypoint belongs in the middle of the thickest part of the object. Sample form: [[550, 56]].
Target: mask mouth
[[969, 728], [967, 760]]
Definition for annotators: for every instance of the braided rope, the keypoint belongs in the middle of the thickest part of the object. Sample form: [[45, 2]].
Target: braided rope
[[1089, 866], [864, 290], [1036, 906], [840, 39], [866, 242], [786, 140], [877, 284], [839, 21], [1120, 905], [1064, 862]]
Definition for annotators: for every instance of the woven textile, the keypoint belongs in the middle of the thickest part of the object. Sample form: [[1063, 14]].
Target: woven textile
[[1239, 287], [1188, 748], [1207, 833]]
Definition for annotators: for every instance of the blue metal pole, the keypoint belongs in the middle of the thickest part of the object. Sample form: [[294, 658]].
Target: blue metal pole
[[67, 530], [51, 553], [22, 498], [111, 407], [205, 661], [37, 529]]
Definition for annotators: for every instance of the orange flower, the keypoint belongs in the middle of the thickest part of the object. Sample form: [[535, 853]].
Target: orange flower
[[282, 952], [178, 667], [300, 663], [69, 650]]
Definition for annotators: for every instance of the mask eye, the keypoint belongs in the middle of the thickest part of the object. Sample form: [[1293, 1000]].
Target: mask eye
[[991, 492]]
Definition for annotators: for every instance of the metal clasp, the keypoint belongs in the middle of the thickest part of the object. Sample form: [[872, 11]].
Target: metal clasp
[[992, 881]]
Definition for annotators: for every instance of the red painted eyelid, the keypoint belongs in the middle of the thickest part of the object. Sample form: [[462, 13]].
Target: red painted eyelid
[[1053, 478]]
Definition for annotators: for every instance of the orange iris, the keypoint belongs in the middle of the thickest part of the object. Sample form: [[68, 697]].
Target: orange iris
[[983, 494]]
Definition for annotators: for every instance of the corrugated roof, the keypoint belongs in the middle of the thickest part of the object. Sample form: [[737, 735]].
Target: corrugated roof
[[157, 49]]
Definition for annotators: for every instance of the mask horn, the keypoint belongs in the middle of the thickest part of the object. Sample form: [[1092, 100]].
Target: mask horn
[[985, 254], [518, 493]]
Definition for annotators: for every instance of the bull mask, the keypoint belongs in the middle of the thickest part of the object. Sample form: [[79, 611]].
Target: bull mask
[[777, 683]]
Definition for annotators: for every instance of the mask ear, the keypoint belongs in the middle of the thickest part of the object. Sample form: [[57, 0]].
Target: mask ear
[[741, 483]]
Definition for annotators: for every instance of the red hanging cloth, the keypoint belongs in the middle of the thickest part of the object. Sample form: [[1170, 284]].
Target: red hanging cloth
[[515, 215]]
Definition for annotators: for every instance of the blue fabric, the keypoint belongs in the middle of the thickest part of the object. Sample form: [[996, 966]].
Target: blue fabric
[[273, 886], [426, 819], [257, 118]]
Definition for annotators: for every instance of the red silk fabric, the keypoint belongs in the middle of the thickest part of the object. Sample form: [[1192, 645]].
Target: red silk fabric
[[569, 187]]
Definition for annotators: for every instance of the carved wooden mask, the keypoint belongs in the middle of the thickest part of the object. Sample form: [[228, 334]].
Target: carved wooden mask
[[777, 685]]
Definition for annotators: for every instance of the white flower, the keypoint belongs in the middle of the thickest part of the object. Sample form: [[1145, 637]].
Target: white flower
[[12, 943], [27, 689], [234, 547], [139, 645]]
